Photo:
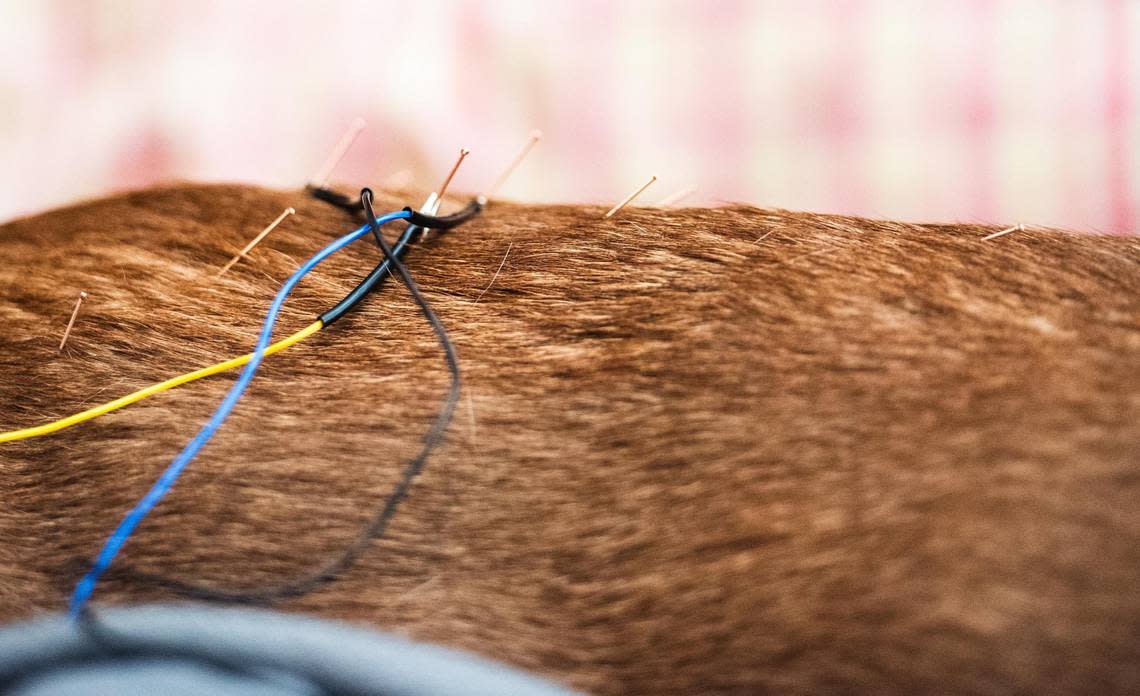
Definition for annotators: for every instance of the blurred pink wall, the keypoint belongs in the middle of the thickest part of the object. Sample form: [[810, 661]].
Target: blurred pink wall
[[972, 110]]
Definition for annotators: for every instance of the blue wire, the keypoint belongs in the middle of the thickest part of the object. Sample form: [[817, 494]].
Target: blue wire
[[86, 586]]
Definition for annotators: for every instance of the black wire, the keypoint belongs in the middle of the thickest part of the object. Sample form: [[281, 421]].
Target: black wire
[[338, 199], [379, 523], [446, 222], [420, 219], [419, 222], [373, 281]]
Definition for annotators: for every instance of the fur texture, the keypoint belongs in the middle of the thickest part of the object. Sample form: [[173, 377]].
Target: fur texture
[[729, 450]]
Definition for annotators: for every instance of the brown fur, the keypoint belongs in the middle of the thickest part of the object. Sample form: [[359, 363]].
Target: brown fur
[[852, 456]]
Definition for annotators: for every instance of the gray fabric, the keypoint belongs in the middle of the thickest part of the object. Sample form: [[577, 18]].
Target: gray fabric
[[190, 649]]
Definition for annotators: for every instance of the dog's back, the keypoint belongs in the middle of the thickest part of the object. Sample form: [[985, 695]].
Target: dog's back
[[700, 450]]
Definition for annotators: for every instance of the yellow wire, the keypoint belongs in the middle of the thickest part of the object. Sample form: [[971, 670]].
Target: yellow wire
[[48, 428]]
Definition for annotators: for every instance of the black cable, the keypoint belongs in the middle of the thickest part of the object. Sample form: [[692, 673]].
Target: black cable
[[419, 222], [332, 197], [373, 281], [419, 219], [446, 222], [379, 522]]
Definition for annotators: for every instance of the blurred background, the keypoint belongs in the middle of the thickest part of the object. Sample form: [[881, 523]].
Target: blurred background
[[934, 110]]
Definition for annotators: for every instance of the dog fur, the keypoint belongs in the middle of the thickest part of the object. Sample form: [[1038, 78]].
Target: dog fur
[[721, 450]]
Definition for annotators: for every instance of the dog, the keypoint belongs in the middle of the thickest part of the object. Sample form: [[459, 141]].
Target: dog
[[729, 450]]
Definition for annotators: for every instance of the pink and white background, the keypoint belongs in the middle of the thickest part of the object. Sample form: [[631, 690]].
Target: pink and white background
[[968, 110]]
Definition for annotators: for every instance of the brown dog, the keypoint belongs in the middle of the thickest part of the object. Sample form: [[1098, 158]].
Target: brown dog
[[729, 450]]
